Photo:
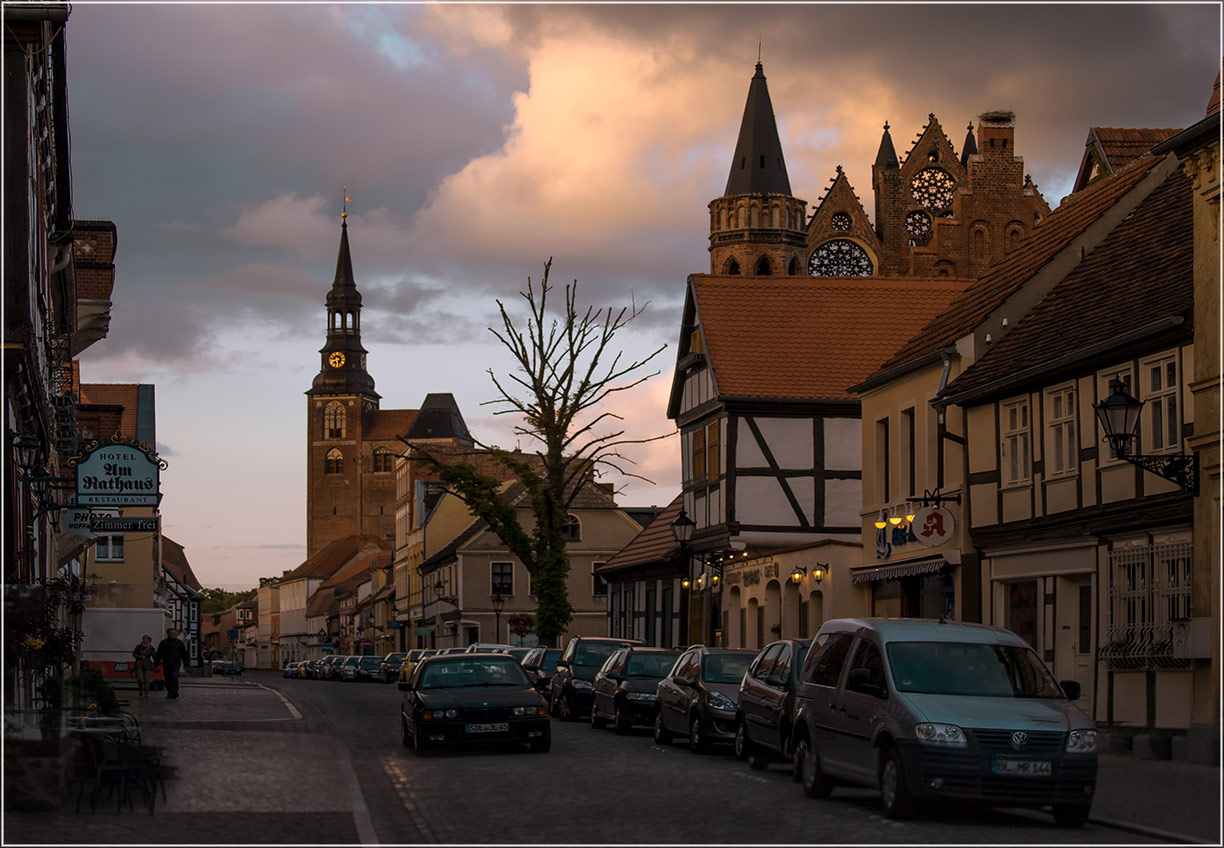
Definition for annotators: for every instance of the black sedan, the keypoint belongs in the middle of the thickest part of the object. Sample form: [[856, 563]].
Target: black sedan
[[472, 698], [624, 689]]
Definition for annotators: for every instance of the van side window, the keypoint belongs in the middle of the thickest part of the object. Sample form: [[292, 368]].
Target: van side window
[[825, 666], [764, 665], [782, 668], [868, 656]]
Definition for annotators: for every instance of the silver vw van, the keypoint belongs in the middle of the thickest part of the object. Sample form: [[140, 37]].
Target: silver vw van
[[934, 711]]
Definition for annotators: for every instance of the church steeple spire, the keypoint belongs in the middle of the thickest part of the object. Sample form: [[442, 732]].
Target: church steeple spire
[[758, 166], [343, 366], [887, 155]]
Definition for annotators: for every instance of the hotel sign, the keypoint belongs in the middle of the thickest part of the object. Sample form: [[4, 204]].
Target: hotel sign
[[118, 474]]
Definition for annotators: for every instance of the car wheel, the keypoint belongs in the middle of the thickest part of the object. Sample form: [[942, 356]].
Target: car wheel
[[741, 740], [662, 735], [697, 740], [893, 792], [541, 746], [1071, 815], [565, 708], [597, 722], [418, 741], [622, 722], [816, 784]]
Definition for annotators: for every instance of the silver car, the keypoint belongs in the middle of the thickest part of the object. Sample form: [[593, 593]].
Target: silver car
[[931, 711]]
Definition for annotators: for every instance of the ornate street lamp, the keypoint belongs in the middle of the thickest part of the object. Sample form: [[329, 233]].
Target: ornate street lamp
[[499, 601], [1119, 417]]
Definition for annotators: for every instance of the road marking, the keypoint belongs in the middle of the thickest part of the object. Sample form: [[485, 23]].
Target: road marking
[[361, 812]]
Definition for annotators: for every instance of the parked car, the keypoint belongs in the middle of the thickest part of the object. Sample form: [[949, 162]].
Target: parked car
[[226, 668], [941, 711], [487, 648], [314, 670], [389, 669], [541, 664], [414, 656], [368, 668], [623, 691], [455, 650], [331, 665], [764, 723], [698, 697], [570, 692], [289, 669], [348, 668], [473, 698]]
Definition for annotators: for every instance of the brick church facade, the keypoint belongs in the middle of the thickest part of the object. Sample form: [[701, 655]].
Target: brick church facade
[[937, 214], [351, 443]]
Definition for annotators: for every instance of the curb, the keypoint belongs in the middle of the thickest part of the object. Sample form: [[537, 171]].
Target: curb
[[1154, 832]]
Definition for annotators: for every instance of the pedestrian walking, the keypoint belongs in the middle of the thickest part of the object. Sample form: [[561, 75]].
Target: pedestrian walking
[[143, 655], [171, 655]]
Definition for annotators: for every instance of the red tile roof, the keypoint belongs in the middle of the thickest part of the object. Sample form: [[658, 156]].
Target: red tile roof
[[809, 338], [115, 394], [1123, 145], [653, 544], [174, 560], [1048, 237], [1143, 271], [336, 555], [320, 601]]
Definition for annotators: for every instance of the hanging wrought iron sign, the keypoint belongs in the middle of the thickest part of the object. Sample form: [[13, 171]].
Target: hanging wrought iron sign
[[933, 526], [120, 472]]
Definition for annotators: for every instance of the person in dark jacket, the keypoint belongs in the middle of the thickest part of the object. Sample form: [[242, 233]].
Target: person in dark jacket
[[143, 656], [171, 655]]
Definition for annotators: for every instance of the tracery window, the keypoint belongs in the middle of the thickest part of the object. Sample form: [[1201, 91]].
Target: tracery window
[[335, 462], [933, 187], [383, 460], [840, 258], [334, 420], [840, 221], [917, 223]]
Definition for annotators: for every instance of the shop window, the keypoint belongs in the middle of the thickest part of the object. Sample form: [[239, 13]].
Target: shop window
[[1017, 451], [937, 596], [1062, 448], [1021, 610]]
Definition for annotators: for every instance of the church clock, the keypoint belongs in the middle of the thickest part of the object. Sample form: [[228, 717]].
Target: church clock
[[336, 359]]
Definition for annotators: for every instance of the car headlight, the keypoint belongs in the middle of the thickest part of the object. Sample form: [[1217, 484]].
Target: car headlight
[[1081, 741], [539, 709], [581, 684], [640, 696], [719, 701], [933, 733], [429, 715]]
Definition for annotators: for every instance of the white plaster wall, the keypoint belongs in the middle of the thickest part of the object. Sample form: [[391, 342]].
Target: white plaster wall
[[789, 440], [760, 500], [842, 499], [843, 444]]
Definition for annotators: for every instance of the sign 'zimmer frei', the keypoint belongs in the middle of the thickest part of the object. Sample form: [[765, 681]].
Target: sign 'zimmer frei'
[[118, 474]]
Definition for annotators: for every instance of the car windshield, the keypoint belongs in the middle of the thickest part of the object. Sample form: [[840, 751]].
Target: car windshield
[[370, 662], [593, 654], [485, 671], [550, 658], [726, 668], [956, 668], [649, 665]]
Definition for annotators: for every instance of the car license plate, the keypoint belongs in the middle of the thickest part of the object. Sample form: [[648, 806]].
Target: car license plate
[[121, 667], [1022, 768], [491, 727]]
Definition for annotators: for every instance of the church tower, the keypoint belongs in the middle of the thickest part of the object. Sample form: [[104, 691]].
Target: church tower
[[350, 487], [757, 226]]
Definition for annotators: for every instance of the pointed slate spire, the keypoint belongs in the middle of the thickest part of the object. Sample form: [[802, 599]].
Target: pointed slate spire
[[344, 287], [887, 156], [970, 146], [758, 166]]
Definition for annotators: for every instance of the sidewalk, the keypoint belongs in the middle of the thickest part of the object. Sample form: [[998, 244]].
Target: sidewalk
[[1167, 797], [231, 742]]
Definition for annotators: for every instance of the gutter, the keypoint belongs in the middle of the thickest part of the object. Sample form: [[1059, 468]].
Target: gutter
[[1209, 127], [897, 370], [1017, 377]]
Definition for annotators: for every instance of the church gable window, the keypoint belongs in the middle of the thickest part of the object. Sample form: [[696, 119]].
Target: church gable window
[[840, 258], [762, 267], [840, 221], [733, 268], [334, 420], [933, 187], [793, 268], [335, 462], [917, 223], [383, 460]]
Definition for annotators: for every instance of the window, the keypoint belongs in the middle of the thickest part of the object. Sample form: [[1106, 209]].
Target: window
[[1163, 422], [782, 668], [335, 462], [824, 667], [1062, 449], [1149, 590], [599, 584], [333, 420], [883, 472], [1017, 457], [840, 258], [713, 460], [699, 454], [764, 665], [383, 460], [109, 549], [502, 578], [573, 529], [868, 656]]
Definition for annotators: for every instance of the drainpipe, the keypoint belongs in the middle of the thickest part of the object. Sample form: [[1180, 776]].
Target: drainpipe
[[940, 406]]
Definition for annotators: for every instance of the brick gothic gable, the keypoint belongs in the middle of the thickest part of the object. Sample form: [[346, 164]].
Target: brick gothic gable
[[840, 216]]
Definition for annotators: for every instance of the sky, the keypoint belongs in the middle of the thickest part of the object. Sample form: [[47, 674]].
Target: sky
[[477, 141]]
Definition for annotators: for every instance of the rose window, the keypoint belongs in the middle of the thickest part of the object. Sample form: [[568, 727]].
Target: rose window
[[840, 258], [933, 187]]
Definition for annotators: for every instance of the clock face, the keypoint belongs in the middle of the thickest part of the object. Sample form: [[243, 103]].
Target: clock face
[[933, 187], [336, 359]]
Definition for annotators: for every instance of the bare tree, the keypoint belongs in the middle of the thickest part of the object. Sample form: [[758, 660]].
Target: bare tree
[[565, 369]]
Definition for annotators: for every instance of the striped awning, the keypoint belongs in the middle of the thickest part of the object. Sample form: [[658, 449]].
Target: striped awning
[[904, 569]]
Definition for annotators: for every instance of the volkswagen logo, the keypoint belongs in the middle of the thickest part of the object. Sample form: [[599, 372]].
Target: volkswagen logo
[[1019, 739]]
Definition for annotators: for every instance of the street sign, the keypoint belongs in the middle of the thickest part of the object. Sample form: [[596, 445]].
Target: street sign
[[77, 519], [102, 524]]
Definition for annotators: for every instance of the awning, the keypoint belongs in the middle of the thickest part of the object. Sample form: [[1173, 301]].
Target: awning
[[905, 569]]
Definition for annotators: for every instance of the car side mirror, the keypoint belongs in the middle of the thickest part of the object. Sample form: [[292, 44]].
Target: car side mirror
[[405, 686], [860, 681], [1071, 688]]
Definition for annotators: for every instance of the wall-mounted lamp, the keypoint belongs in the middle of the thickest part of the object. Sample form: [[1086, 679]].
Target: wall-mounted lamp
[[818, 572], [797, 575], [1119, 417]]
